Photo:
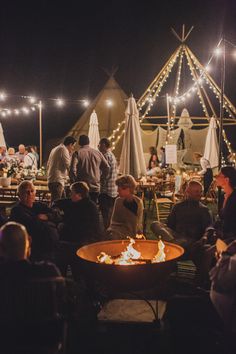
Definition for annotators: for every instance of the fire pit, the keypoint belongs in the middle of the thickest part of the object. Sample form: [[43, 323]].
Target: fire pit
[[141, 276]]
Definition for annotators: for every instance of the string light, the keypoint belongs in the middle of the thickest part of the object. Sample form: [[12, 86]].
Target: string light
[[60, 102]]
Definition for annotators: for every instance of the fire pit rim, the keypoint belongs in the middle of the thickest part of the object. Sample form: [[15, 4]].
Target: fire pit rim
[[178, 247]]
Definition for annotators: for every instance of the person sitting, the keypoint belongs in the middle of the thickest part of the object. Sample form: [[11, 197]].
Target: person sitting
[[188, 219], [127, 216], [30, 160], [38, 220], [15, 248], [80, 226], [10, 157], [80, 216], [153, 164], [20, 154]]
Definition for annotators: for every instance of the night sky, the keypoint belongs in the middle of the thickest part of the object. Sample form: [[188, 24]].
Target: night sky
[[51, 50]]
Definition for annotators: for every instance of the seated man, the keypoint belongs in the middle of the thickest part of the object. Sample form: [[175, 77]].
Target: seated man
[[15, 251], [36, 217], [188, 219], [80, 226], [80, 216]]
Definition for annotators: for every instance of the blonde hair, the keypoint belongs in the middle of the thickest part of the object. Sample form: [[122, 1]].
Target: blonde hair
[[126, 181], [11, 151]]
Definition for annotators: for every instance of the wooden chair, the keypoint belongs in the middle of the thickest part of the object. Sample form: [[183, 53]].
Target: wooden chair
[[31, 313]]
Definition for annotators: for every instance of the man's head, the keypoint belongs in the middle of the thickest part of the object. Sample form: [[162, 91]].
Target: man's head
[[226, 177], [79, 190], [21, 149], [194, 190], [69, 143], [26, 192], [104, 145], [14, 242], [83, 140]]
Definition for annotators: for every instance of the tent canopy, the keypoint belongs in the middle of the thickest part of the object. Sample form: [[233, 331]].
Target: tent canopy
[[109, 115]]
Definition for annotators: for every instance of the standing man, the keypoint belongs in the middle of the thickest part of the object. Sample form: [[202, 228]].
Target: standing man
[[58, 166], [87, 165], [108, 191]]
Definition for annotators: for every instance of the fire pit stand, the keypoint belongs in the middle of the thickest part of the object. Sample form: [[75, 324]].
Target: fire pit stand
[[109, 281]]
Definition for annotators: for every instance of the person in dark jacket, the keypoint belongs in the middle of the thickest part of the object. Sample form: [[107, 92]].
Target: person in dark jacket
[[226, 179], [80, 216], [188, 219], [80, 226], [38, 220], [15, 246]]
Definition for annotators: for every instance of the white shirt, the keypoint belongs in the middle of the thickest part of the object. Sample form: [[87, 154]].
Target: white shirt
[[30, 161], [205, 164], [58, 164]]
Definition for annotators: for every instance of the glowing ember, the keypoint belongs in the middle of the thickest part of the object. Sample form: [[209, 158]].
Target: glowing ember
[[131, 256]]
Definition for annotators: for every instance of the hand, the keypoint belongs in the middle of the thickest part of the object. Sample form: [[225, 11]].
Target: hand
[[42, 217]]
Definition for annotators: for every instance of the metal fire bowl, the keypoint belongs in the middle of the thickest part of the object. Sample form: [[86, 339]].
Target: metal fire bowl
[[128, 277]]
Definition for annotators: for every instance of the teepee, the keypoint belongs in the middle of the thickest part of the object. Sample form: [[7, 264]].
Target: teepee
[[109, 105], [201, 87]]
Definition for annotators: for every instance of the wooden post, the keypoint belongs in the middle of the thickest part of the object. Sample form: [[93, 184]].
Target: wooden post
[[40, 135]]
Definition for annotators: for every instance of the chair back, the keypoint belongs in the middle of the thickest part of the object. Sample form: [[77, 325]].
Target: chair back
[[31, 301]]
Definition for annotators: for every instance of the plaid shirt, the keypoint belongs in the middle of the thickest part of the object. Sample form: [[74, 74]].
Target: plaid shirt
[[108, 185]]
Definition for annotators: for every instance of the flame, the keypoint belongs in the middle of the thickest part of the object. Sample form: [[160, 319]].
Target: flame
[[131, 256], [160, 256]]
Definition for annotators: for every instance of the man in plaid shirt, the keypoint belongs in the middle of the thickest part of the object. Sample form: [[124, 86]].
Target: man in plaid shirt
[[108, 191]]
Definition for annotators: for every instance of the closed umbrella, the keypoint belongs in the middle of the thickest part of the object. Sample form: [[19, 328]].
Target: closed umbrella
[[211, 152], [132, 158], [93, 134], [2, 139]]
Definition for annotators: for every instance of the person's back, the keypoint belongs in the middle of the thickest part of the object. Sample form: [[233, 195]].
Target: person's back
[[189, 219], [15, 248], [87, 165], [57, 166], [81, 221]]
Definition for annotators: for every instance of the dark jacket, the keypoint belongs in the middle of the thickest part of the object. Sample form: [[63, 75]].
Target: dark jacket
[[43, 233], [189, 219], [227, 216], [80, 221], [26, 270]]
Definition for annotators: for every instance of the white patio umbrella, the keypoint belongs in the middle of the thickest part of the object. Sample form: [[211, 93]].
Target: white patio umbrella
[[132, 158], [211, 152], [93, 134], [2, 139]]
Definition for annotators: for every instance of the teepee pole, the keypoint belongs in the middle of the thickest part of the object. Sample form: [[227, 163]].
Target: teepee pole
[[203, 89], [157, 78], [214, 84], [196, 78]]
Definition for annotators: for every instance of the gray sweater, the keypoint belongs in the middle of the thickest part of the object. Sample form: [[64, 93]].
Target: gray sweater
[[124, 222]]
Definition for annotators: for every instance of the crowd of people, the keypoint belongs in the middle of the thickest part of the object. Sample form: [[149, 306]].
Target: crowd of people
[[25, 157], [100, 205]]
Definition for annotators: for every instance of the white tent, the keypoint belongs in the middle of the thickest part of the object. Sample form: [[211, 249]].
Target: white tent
[[211, 152], [132, 159], [93, 133], [2, 139]]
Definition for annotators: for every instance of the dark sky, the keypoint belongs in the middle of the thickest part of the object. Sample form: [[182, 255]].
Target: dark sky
[[51, 50]]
